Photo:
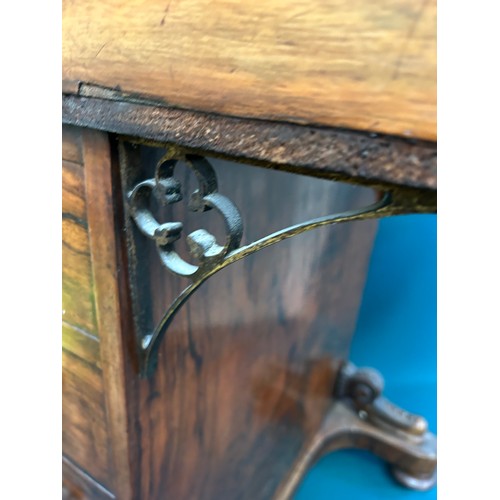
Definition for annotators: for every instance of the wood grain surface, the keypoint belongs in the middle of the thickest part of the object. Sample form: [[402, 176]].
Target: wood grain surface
[[343, 63], [77, 287], [81, 344], [104, 207], [72, 145], [245, 372], [84, 423], [77, 485], [84, 416]]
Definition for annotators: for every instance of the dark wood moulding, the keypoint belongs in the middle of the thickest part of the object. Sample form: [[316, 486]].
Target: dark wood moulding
[[370, 159]]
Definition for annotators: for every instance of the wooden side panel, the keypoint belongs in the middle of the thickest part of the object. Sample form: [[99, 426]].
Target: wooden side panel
[[77, 288], [85, 418], [85, 436], [357, 64], [245, 374]]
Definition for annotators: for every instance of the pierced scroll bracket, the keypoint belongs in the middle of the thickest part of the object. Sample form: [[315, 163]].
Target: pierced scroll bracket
[[209, 255], [361, 417]]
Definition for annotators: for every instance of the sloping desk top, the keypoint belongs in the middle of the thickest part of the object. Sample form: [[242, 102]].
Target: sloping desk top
[[353, 64]]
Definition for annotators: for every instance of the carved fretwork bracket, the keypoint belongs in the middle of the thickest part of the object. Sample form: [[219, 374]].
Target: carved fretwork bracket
[[360, 417], [209, 255], [202, 245]]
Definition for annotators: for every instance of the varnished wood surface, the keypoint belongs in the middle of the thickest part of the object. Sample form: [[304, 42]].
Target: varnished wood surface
[[103, 202], [77, 288], [71, 145], [85, 417], [77, 485], [342, 63], [84, 424], [81, 344], [245, 371]]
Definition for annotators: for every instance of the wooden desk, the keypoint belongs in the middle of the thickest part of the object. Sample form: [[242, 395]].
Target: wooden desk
[[234, 393]]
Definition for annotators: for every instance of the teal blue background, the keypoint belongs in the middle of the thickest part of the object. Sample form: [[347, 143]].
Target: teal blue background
[[396, 334]]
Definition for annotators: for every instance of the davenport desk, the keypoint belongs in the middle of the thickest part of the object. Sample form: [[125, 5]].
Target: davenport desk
[[224, 167]]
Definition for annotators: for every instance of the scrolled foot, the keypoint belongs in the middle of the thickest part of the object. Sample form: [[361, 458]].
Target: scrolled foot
[[421, 482]]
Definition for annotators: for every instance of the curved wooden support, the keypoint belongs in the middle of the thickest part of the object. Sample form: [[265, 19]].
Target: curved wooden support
[[361, 418], [413, 460]]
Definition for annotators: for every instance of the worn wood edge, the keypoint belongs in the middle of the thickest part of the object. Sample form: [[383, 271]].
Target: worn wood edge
[[352, 156], [82, 479], [105, 268], [70, 86]]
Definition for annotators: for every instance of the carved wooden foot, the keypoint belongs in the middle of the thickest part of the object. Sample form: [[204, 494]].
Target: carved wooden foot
[[360, 417]]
